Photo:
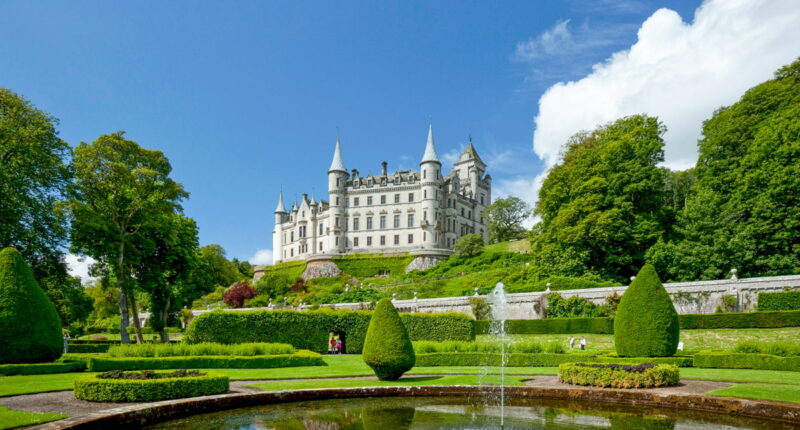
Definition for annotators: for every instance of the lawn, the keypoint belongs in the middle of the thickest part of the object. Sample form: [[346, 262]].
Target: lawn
[[403, 382], [777, 392], [26, 384], [10, 418], [694, 340]]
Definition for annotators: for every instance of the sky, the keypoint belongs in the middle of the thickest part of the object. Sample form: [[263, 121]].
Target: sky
[[246, 98]]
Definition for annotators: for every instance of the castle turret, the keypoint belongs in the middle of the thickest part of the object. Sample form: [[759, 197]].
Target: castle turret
[[337, 192], [277, 233], [431, 183]]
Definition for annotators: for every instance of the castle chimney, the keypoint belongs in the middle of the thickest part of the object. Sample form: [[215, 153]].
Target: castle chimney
[[383, 168], [305, 197]]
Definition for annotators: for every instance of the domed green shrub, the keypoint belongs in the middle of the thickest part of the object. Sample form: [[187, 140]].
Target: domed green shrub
[[30, 330], [387, 347], [646, 324]]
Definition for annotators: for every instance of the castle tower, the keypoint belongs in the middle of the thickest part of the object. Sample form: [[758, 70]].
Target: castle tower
[[337, 192], [277, 233], [431, 183]]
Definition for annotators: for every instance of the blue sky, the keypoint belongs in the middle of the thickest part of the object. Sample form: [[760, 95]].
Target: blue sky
[[245, 98]]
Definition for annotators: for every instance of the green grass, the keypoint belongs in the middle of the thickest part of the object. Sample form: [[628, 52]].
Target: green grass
[[26, 384], [694, 340], [776, 392], [742, 375], [403, 382], [522, 245], [9, 418]]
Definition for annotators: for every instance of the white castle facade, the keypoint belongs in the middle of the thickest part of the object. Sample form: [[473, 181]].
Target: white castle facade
[[422, 213]]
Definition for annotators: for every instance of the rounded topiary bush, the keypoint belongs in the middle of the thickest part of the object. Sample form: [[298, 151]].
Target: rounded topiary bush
[[646, 324], [30, 329], [387, 347]]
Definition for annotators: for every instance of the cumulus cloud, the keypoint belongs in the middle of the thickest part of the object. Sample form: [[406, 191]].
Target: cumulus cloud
[[262, 257], [78, 265], [552, 42], [678, 71], [524, 187]]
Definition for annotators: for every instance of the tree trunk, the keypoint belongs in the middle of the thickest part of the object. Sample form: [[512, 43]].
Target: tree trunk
[[163, 316], [137, 325], [123, 304]]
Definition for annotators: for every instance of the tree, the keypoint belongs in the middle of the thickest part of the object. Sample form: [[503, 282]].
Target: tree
[[387, 347], [744, 210], [504, 219], [646, 323], [30, 330], [120, 189], [220, 270], [469, 245], [236, 295], [602, 207]]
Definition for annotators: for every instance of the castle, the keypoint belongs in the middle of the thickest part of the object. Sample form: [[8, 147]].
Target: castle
[[423, 213]]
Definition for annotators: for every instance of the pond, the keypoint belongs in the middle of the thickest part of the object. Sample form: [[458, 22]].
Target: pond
[[460, 413]]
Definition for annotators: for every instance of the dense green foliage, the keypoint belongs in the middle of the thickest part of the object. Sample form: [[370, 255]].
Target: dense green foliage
[[311, 330], [504, 218], [553, 326], [646, 324], [619, 376], [468, 245], [577, 307], [30, 330], [298, 359], [495, 359], [427, 347], [783, 301], [96, 389], [602, 204], [87, 347], [782, 349], [198, 349], [732, 360], [743, 211], [367, 265], [775, 319], [41, 368], [387, 347]]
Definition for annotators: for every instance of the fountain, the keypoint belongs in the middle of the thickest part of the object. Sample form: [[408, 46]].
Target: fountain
[[499, 306]]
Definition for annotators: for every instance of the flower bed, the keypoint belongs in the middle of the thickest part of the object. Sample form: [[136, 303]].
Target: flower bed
[[647, 375], [148, 386]]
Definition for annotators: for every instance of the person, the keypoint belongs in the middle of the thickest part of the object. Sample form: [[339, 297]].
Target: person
[[339, 345], [332, 347], [680, 346], [66, 341], [571, 342], [583, 343]]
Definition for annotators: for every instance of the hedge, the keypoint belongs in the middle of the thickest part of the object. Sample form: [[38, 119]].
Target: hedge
[[770, 319], [83, 348], [95, 389], [198, 349], [536, 360], [783, 301], [732, 360], [41, 368], [553, 326], [310, 330], [387, 348], [618, 375], [301, 358]]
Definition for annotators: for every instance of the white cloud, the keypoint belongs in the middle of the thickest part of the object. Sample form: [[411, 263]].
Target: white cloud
[[552, 42], [524, 187], [79, 266], [677, 71], [262, 257]]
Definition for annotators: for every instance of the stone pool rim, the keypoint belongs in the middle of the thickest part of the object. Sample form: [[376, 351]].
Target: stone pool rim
[[138, 415]]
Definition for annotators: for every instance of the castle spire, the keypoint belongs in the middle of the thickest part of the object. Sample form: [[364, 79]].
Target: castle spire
[[337, 164], [280, 208], [430, 148]]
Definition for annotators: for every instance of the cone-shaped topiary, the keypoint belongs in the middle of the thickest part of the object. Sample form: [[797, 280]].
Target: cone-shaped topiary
[[646, 324], [30, 330], [387, 347]]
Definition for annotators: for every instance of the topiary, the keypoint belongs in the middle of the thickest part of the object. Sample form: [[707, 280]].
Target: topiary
[[387, 347], [646, 324], [30, 329]]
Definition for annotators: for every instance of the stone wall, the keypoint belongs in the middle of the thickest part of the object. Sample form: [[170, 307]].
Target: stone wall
[[321, 269]]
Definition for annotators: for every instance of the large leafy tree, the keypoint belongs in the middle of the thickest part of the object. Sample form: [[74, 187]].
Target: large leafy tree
[[120, 191], [216, 268], [504, 219], [744, 211], [602, 206]]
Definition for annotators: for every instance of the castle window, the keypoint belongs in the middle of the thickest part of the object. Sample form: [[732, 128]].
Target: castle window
[[383, 199], [410, 197], [410, 239], [336, 221], [337, 201], [320, 247], [481, 198], [469, 215], [369, 223], [424, 236], [356, 224], [369, 201], [424, 194], [369, 240], [383, 240], [303, 214], [397, 239], [383, 221], [337, 240], [355, 201], [397, 198], [397, 221], [411, 220], [292, 236], [320, 229], [424, 174], [425, 215], [355, 241], [291, 252], [462, 211], [338, 181]]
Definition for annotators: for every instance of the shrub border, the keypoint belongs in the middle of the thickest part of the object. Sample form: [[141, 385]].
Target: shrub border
[[300, 358], [604, 377], [95, 389], [41, 368], [739, 360], [535, 360]]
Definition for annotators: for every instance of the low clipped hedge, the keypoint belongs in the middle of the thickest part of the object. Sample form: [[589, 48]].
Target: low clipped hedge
[[310, 330], [553, 326], [198, 349], [83, 348], [96, 389], [41, 368], [782, 301], [733, 360], [770, 319], [301, 358], [536, 360], [612, 375]]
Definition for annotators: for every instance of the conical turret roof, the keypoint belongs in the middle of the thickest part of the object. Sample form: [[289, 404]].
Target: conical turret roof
[[280, 208], [430, 149], [337, 164]]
